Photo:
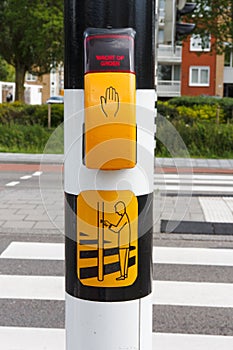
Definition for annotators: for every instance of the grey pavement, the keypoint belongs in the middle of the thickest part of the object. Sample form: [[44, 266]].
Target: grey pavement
[[39, 209]]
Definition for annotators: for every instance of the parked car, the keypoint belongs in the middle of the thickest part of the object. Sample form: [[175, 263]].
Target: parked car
[[55, 99]]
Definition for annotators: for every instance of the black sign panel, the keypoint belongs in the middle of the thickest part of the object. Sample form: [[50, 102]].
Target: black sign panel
[[143, 284], [109, 50]]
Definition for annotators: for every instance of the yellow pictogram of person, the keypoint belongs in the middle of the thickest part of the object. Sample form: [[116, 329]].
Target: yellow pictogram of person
[[123, 229]]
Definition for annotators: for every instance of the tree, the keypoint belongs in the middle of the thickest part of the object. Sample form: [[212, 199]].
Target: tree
[[215, 17], [31, 37]]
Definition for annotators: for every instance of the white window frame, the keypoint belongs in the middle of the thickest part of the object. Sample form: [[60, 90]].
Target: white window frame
[[196, 43], [31, 77], [199, 68]]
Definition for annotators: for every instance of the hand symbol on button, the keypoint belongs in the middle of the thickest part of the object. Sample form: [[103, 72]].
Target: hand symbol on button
[[110, 103]]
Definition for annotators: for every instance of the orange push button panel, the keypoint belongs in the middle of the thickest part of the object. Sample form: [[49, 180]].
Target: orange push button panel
[[110, 100]]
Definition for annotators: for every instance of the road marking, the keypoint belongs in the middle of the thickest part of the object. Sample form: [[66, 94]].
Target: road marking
[[170, 341], [164, 292], [192, 294], [25, 177], [37, 173], [216, 210], [34, 250], [192, 256], [193, 188], [161, 255], [194, 177], [13, 183], [20, 338], [32, 287]]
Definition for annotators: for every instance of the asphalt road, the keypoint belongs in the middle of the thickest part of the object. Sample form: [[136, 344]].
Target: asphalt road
[[182, 319]]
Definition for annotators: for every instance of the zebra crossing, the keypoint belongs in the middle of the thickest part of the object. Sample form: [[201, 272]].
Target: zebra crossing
[[30, 293], [194, 183]]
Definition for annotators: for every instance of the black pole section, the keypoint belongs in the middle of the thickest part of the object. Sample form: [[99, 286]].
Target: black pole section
[[81, 14]]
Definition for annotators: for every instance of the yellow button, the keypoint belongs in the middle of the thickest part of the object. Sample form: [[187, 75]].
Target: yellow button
[[110, 120], [107, 238]]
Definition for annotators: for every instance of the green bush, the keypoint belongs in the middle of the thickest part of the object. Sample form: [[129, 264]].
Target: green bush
[[19, 113], [204, 140], [205, 107], [211, 113], [190, 101], [167, 110], [226, 104], [23, 138]]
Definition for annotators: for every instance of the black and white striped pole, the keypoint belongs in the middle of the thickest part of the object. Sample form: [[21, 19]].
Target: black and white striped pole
[[108, 173]]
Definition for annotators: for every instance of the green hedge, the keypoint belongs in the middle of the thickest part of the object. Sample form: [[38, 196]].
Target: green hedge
[[19, 113], [23, 128], [194, 108], [204, 140], [23, 138]]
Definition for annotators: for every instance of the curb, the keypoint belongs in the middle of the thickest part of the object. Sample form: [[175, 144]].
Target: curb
[[31, 158], [169, 164], [196, 227]]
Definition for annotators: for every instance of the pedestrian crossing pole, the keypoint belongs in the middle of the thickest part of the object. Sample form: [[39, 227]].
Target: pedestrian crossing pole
[[108, 173]]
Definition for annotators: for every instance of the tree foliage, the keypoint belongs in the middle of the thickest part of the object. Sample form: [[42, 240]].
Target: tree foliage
[[215, 17], [6, 71], [31, 37]]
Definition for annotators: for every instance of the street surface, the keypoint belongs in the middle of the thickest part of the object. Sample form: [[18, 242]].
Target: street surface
[[192, 275]]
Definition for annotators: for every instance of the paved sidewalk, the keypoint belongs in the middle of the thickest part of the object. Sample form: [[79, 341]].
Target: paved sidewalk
[[41, 210]]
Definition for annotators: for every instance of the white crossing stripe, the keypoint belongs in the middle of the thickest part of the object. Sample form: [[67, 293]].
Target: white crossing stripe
[[194, 188], [12, 183], [34, 250], [197, 178], [37, 173], [161, 255], [20, 338], [32, 287], [164, 292], [170, 341], [25, 177], [192, 294], [193, 256]]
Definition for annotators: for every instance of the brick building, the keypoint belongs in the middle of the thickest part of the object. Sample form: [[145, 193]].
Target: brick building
[[191, 69], [202, 70]]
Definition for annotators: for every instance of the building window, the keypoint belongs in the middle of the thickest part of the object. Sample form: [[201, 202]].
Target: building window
[[169, 72], [228, 58], [162, 8], [31, 77], [197, 43], [199, 76], [161, 36]]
